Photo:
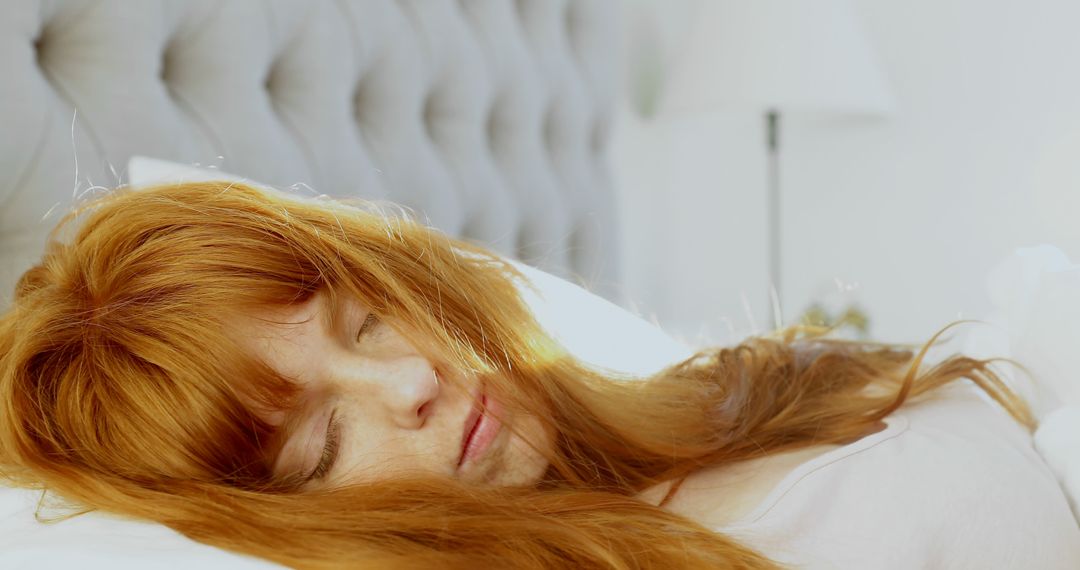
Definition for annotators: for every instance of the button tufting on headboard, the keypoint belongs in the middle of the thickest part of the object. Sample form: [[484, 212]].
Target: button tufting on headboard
[[487, 118]]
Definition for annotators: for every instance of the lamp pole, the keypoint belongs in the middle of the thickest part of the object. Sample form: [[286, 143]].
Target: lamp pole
[[772, 118]]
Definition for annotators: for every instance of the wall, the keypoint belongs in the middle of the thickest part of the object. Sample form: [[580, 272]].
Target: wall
[[904, 216]]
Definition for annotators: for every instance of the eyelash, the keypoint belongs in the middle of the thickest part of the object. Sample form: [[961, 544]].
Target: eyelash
[[333, 433], [370, 322], [333, 439]]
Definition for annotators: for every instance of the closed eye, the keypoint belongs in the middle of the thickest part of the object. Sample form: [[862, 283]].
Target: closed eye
[[369, 323], [333, 430], [330, 449]]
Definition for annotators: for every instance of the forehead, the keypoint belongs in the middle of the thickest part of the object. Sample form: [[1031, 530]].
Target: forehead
[[298, 344], [291, 339], [264, 329]]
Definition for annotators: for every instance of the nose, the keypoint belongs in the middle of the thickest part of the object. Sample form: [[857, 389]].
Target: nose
[[408, 388]]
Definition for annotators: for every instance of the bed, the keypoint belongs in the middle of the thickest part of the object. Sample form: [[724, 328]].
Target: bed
[[490, 119]]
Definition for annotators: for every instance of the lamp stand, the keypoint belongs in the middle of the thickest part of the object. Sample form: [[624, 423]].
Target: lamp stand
[[776, 318]]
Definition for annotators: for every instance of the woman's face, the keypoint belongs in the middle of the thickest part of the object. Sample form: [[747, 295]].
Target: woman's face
[[382, 405]]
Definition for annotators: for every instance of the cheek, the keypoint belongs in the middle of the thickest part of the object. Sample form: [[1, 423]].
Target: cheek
[[371, 453], [525, 464]]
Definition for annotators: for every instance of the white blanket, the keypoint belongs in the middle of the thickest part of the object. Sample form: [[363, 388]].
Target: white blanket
[[1036, 321], [1058, 440]]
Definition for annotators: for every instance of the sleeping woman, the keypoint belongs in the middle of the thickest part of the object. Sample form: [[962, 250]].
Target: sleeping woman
[[324, 386]]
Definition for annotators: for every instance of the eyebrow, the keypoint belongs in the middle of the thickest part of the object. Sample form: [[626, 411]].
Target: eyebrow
[[289, 430], [330, 315]]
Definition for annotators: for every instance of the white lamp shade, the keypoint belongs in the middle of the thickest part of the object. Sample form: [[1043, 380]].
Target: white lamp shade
[[788, 55]]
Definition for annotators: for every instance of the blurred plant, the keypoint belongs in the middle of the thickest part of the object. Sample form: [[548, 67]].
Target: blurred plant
[[852, 318]]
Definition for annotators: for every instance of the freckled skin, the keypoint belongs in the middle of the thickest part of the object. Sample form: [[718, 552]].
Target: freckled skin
[[395, 417]]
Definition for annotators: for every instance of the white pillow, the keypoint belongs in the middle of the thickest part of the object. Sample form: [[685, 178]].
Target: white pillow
[[99, 541], [595, 330], [145, 171]]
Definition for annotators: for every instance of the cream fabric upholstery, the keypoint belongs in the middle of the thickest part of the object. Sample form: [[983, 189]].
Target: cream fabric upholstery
[[489, 118]]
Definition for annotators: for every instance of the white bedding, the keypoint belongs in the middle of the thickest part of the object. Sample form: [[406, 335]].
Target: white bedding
[[1058, 441], [1036, 292]]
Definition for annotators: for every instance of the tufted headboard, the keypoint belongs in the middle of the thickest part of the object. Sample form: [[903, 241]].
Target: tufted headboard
[[490, 119]]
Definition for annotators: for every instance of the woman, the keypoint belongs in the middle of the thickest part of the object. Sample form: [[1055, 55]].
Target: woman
[[324, 386]]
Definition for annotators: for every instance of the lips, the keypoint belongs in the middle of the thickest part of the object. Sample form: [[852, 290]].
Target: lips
[[481, 428], [470, 426]]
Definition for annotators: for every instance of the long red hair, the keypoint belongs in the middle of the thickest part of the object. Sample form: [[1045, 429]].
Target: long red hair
[[123, 392]]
